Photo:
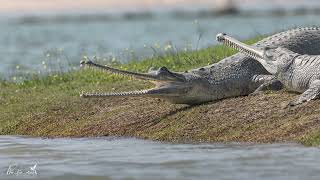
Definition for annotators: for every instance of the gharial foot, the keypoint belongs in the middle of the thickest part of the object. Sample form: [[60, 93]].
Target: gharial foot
[[294, 103], [274, 85], [310, 94]]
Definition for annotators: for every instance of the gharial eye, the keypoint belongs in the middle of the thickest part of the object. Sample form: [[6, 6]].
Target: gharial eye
[[268, 54], [164, 68], [163, 71], [269, 51]]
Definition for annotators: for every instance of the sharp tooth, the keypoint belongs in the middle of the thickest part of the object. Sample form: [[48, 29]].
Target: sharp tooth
[[105, 94]]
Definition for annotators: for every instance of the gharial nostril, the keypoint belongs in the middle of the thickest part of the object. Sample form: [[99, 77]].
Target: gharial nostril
[[220, 37], [83, 62]]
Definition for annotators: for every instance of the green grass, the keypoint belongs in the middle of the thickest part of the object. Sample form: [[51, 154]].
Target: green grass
[[50, 105], [38, 94], [175, 61]]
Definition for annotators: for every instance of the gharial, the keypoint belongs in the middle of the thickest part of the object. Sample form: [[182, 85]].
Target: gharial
[[297, 72], [233, 76]]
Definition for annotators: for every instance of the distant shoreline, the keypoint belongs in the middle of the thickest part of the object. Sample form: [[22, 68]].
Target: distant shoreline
[[180, 14], [64, 7]]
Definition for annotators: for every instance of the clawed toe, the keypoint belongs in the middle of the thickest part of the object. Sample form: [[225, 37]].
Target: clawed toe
[[293, 104], [256, 93], [253, 94]]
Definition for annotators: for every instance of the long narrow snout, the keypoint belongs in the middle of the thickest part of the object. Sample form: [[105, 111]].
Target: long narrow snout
[[118, 71], [244, 48], [249, 51], [167, 83]]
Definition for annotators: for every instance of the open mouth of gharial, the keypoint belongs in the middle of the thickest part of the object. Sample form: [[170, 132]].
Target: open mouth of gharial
[[164, 80]]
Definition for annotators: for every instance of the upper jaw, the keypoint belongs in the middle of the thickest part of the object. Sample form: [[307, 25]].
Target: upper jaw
[[163, 74], [111, 70], [167, 82]]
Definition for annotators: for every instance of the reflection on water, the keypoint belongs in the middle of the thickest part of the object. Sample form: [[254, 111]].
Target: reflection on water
[[119, 158]]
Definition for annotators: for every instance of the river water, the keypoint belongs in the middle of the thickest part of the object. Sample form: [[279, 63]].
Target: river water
[[127, 158], [37, 44]]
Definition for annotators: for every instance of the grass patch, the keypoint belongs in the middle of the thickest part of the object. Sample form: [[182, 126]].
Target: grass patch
[[50, 106]]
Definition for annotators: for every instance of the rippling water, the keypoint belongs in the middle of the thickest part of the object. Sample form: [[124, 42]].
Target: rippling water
[[122, 158], [56, 45]]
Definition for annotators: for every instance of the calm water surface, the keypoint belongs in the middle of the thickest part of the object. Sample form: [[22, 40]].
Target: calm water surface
[[121, 158], [46, 45]]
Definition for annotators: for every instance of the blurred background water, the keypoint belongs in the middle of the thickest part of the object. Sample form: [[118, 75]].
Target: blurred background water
[[45, 36]]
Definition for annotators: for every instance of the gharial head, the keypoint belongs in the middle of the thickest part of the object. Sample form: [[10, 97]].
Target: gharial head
[[280, 57], [274, 59], [177, 88]]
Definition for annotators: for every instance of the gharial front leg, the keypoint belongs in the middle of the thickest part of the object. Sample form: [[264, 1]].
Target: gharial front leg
[[267, 83], [310, 94]]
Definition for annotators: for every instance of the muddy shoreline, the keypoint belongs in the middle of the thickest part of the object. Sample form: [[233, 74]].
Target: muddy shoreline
[[256, 119]]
